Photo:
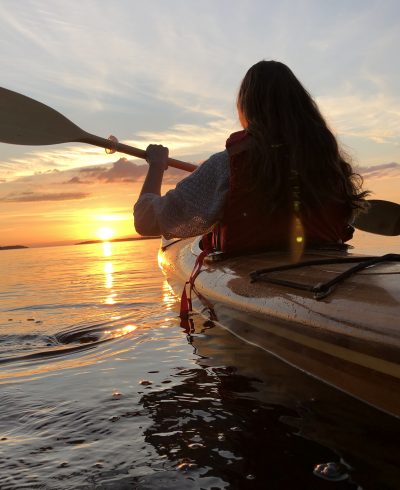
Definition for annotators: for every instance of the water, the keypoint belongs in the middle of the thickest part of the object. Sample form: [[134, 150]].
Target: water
[[100, 388]]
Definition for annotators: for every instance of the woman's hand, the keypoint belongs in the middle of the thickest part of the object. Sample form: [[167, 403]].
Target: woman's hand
[[157, 156]]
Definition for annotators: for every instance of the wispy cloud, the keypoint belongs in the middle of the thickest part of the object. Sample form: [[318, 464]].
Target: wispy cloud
[[54, 159], [387, 170], [192, 139], [376, 118], [43, 196]]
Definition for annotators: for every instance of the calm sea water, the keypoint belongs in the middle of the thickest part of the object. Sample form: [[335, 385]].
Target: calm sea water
[[100, 388]]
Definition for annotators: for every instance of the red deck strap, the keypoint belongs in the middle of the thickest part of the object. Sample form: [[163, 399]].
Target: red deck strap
[[186, 299]]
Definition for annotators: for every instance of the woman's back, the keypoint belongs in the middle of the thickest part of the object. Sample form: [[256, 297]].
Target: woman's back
[[290, 170]]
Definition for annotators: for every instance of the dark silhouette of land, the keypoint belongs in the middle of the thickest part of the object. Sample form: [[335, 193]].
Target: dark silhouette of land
[[12, 247], [87, 242]]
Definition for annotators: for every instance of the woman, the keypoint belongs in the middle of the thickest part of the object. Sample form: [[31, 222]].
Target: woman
[[283, 168]]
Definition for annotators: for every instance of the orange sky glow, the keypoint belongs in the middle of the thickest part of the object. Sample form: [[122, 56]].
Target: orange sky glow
[[106, 211], [106, 214]]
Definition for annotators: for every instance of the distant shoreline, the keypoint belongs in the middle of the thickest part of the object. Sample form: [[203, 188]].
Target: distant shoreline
[[86, 242], [89, 242], [12, 247]]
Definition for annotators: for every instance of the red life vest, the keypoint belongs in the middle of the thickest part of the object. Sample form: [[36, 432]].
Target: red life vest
[[247, 228]]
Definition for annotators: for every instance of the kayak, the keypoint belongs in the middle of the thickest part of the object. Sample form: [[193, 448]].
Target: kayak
[[342, 328]]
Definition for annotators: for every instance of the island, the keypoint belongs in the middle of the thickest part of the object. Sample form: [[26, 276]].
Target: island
[[12, 247]]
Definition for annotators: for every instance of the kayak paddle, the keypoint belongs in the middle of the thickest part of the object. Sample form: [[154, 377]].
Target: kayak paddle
[[25, 121], [382, 218]]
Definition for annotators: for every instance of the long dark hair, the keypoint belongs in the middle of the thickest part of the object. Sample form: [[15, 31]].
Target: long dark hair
[[290, 138]]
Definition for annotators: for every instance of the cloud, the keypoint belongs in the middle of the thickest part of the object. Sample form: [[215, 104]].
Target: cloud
[[375, 117], [94, 170], [41, 196], [192, 139], [77, 180], [121, 171], [52, 160], [386, 170]]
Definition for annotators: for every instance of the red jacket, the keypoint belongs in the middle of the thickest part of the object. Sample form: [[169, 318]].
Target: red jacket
[[247, 228]]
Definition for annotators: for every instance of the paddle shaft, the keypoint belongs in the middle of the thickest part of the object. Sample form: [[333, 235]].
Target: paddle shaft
[[131, 150]]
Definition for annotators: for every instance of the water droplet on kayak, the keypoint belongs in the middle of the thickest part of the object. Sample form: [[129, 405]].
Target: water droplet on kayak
[[195, 445], [186, 465], [331, 471]]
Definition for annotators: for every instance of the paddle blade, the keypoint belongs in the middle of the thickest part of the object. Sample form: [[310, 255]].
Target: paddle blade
[[382, 218], [24, 121]]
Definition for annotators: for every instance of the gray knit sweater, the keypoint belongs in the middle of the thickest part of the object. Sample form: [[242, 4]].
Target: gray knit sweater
[[192, 208]]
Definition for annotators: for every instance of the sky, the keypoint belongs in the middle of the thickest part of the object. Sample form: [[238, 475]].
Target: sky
[[168, 72]]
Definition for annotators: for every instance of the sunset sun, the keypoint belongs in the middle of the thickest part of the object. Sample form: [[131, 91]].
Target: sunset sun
[[105, 233]]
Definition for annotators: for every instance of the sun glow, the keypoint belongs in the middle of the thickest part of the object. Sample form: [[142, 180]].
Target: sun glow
[[105, 233]]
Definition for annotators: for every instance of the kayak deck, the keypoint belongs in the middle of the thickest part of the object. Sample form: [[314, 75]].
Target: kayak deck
[[350, 339]]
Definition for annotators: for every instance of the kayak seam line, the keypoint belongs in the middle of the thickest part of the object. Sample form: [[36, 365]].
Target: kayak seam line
[[365, 360]]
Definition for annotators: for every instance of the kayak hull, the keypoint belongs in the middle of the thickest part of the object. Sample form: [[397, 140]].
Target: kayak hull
[[350, 339]]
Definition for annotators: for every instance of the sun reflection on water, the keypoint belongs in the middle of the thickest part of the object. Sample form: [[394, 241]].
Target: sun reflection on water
[[110, 299], [120, 332], [107, 249], [169, 297], [108, 270]]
